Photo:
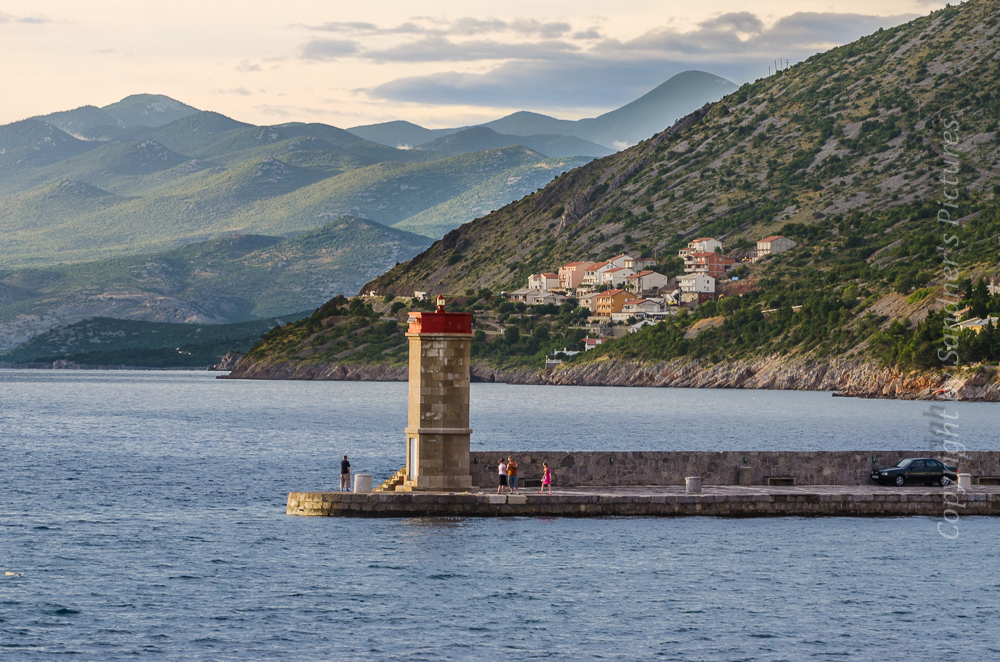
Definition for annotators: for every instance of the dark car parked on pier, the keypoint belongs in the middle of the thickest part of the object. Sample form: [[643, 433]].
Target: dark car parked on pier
[[915, 470]]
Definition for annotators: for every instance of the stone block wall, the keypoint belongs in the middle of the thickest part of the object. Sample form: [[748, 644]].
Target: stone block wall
[[721, 468]]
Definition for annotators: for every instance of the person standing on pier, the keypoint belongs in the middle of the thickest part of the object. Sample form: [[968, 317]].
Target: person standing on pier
[[502, 470], [546, 478], [345, 475], [512, 475]]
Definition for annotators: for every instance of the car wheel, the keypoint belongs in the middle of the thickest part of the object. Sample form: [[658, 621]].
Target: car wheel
[[899, 481], [945, 481]]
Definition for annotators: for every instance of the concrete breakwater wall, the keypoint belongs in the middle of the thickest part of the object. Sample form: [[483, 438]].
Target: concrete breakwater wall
[[730, 502], [715, 468]]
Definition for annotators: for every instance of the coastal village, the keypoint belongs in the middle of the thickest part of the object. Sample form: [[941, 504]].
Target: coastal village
[[625, 293]]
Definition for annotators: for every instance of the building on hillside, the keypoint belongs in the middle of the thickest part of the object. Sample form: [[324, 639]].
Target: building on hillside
[[638, 326], [571, 275], [522, 294], [419, 295], [542, 297], [639, 263], [773, 245], [611, 302], [644, 281], [543, 281], [976, 324], [616, 277], [640, 307], [700, 283], [620, 260], [593, 343], [712, 264], [588, 301], [592, 274], [700, 245]]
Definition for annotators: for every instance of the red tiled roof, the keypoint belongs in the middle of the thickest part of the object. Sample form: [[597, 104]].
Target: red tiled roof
[[695, 241], [596, 265], [550, 275], [772, 238], [573, 264]]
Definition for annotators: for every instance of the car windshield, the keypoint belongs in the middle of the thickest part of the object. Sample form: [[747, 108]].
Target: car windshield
[[904, 464]]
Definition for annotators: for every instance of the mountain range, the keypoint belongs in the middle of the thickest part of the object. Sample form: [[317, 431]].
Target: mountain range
[[598, 136], [111, 211]]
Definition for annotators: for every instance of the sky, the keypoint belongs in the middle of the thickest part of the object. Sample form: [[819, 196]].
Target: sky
[[439, 63]]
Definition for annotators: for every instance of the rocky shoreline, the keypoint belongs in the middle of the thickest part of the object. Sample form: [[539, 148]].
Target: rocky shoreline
[[844, 377]]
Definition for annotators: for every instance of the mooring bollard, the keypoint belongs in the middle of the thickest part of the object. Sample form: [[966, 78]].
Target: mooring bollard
[[692, 484], [362, 482], [965, 481]]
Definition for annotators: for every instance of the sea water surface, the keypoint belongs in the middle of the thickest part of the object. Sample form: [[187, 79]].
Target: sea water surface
[[143, 516]]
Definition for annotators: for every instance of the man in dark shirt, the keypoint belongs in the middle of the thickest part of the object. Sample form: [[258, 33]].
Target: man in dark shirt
[[345, 475]]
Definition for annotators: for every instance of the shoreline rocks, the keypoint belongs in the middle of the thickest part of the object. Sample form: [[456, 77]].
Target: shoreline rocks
[[845, 377]]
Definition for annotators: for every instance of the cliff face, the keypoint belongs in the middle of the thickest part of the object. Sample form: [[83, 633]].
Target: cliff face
[[849, 378]]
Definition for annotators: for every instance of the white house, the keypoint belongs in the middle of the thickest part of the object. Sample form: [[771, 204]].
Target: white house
[[592, 275], [523, 294], [645, 281], [700, 245], [593, 343], [615, 277], [639, 263], [638, 307], [543, 281], [619, 260], [541, 297], [773, 245], [699, 283]]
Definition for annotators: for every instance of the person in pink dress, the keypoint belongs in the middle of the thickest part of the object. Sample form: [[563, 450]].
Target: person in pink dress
[[546, 478]]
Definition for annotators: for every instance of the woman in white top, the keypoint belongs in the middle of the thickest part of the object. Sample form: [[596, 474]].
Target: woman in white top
[[502, 469]]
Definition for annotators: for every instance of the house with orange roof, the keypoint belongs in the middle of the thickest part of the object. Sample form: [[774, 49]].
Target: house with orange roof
[[571, 275], [711, 264], [592, 275], [610, 302], [700, 245], [615, 277], [545, 281]]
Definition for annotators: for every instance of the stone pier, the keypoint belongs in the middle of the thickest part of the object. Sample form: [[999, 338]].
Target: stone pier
[[713, 501]]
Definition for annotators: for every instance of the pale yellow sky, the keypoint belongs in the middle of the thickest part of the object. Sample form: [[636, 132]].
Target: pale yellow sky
[[443, 63]]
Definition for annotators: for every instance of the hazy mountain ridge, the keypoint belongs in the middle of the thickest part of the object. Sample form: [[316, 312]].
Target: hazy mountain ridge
[[633, 122], [232, 279]]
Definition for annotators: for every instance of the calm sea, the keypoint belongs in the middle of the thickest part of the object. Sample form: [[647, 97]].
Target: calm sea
[[144, 513]]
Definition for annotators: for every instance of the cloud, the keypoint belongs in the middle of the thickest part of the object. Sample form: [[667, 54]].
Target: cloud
[[743, 34], [592, 33], [246, 66], [550, 74], [24, 20], [439, 49], [328, 49], [459, 27], [241, 91]]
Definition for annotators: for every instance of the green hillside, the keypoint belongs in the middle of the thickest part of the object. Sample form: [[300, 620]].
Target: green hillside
[[844, 153], [204, 175], [105, 341], [236, 278]]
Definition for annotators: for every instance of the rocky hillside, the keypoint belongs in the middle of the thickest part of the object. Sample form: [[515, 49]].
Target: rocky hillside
[[846, 146]]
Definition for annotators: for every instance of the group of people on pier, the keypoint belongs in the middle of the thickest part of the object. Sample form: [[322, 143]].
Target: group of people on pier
[[508, 474]]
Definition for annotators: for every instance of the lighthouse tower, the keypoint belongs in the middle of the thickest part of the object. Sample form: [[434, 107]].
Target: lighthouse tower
[[437, 430]]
